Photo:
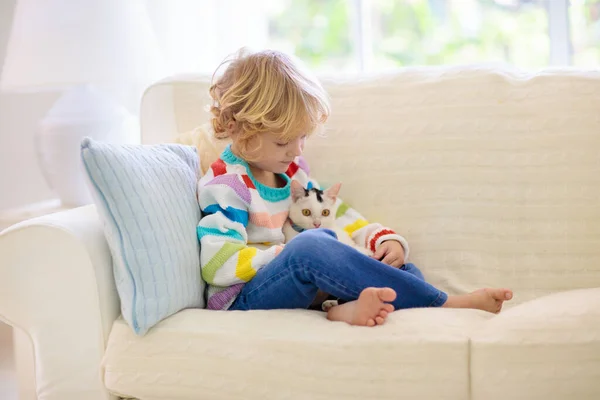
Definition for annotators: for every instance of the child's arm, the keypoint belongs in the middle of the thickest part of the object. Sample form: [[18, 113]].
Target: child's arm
[[369, 235], [225, 257], [360, 230]]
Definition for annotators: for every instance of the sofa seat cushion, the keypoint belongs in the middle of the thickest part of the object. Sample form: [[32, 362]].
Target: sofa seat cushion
[[548, 348], [293, 354]]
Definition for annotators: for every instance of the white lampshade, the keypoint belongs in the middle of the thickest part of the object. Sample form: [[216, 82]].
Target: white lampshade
[[60, 43]]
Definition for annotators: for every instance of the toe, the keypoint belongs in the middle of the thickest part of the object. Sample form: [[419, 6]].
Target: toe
[[387, 294], [383, 314], [500, 294], [379, 320], [499, 308], [388, 307], [370, 322]]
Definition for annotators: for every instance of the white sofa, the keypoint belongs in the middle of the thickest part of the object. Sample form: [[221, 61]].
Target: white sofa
[[493, 176]]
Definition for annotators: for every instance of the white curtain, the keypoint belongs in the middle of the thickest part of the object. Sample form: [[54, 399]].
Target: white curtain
[[196, 35]]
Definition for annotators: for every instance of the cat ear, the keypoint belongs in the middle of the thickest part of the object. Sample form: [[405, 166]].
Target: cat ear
[[297, 191], [333, 191]]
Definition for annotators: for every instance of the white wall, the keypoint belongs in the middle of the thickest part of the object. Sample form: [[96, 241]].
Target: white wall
[[21, 181]]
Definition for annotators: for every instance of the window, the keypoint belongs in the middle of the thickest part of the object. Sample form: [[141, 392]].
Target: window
[[585, 32], [376, 35], [353, 36], [318, 32], [458, 32]]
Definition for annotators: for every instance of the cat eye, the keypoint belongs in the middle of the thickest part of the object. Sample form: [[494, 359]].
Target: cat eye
[[325, 213], [306, 212]]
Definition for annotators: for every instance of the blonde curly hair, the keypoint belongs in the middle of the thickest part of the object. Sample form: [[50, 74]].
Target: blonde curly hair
[[265, 92]]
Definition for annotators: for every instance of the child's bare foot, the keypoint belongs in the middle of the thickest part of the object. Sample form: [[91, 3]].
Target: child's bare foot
[[490, 300], [370, 309]]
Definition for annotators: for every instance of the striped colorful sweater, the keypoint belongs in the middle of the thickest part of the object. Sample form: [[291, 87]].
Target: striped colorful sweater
[[241, 228]]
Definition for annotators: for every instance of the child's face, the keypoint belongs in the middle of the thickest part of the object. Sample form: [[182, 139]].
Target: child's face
[[275, 155]]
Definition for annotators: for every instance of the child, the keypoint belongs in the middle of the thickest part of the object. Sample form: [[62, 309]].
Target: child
[[268, 107]]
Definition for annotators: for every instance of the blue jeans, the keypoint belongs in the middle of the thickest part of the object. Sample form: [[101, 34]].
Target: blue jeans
[[315, 260]]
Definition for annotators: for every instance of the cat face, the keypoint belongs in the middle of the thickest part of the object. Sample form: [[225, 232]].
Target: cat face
[[313, 208]]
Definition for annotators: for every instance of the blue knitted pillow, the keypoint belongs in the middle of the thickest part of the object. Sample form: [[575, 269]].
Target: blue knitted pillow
[[146, 197]]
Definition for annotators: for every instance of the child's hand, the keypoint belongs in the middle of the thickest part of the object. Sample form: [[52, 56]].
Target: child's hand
[[390, 253]]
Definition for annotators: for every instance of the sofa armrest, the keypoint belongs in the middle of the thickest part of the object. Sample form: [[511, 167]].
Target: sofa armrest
[[57, 286]]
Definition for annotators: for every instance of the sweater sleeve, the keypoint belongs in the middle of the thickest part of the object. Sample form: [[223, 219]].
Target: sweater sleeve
[[226, 258], [364, 233]]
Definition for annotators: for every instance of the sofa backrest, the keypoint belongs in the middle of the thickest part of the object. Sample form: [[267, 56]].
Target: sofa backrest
[[493, 176]]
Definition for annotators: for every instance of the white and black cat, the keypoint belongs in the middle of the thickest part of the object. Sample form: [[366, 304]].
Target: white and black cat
[[314, 208]]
